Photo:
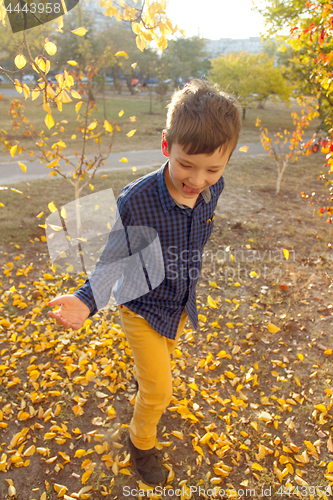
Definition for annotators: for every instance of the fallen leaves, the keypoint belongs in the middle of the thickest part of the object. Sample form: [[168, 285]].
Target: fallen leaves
[[230, 406]]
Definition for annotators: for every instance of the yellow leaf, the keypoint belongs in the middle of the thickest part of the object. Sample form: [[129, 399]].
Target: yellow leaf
[[178, 434], [120, 114], [244, 149], [50, 48], [257, 467], [29, 451], [75, 94], [13, 150], [78, 106], [86, 476], [64, 456], [131, 133], [121, 53], [300, 356], [24, 168], [108, 127], [134, 65], [11, 490], [26, 91], [52, 207], [59, 488], [93, 125], [186, 493], [49, 122], [72, 63], [80, 453], [211, 302], [125, 471], [18, 86], [272, 328], [253, 274], [48, 276], [80, 31], [20, 61], [90, 375], [286, 253], [230, 325], [124, 160], [205, 438], [321, 408], [35, 94]]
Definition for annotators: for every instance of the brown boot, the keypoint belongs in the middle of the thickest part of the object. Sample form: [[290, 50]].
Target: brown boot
[[147, 465]]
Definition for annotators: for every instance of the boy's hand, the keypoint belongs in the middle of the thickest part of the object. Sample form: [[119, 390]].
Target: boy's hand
[[72, 313]]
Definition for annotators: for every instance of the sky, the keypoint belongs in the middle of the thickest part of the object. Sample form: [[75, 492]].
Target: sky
[[215, 19]]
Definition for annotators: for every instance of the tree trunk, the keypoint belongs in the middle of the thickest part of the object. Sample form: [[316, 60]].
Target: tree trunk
[[244, 112], [78, 223], [150, 102], [278, 183]]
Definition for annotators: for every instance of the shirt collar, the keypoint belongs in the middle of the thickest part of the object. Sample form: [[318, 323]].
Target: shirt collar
[[166, 199]]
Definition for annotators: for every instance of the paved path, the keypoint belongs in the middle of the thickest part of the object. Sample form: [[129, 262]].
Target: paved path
[[11, 172]]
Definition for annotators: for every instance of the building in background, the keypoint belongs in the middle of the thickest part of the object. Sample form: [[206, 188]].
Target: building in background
[[215, 48]]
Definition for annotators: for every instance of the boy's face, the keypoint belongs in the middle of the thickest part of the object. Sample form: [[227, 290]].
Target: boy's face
[[189, 175]]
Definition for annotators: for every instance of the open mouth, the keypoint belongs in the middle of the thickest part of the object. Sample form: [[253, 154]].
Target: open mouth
[[188, 190]]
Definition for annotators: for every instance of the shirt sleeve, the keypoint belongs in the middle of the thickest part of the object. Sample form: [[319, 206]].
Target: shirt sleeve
[[96, 291]]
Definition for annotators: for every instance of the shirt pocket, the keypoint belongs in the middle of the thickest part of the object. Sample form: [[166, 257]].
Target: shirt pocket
[[206, 228]]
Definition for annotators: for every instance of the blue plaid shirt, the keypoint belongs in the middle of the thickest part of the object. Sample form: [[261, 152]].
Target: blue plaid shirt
[[183, 233]]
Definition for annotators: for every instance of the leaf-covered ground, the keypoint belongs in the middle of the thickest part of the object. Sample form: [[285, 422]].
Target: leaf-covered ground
[[252, 407]]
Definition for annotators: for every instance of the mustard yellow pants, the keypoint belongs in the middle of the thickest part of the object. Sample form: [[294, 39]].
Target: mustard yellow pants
[[151, 353]]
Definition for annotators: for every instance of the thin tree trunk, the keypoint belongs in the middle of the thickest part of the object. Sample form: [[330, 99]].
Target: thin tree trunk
[[78, 222]]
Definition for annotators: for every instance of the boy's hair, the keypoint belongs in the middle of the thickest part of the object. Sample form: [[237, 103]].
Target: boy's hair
[[201, 118]]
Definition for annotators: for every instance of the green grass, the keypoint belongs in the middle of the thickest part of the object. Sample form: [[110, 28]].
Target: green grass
[[149, 126], [250, 184]]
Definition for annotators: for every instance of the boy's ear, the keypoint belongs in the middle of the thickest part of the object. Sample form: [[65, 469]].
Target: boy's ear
[[165, 150]]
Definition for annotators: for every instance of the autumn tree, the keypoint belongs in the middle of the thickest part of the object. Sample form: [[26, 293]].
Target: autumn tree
[[148, 22], [285, 147], [250, 78], [309, 26], [185, 58]]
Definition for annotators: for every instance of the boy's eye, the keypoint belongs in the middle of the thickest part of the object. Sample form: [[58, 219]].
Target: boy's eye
[[210, 171]]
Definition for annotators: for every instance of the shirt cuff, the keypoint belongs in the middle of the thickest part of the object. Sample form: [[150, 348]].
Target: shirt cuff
[[85, 294]]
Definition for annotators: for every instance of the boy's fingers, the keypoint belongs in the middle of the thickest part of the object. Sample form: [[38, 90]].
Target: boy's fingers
[[56, 301]]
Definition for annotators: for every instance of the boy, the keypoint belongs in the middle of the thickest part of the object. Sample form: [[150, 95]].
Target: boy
[[178, 201]]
